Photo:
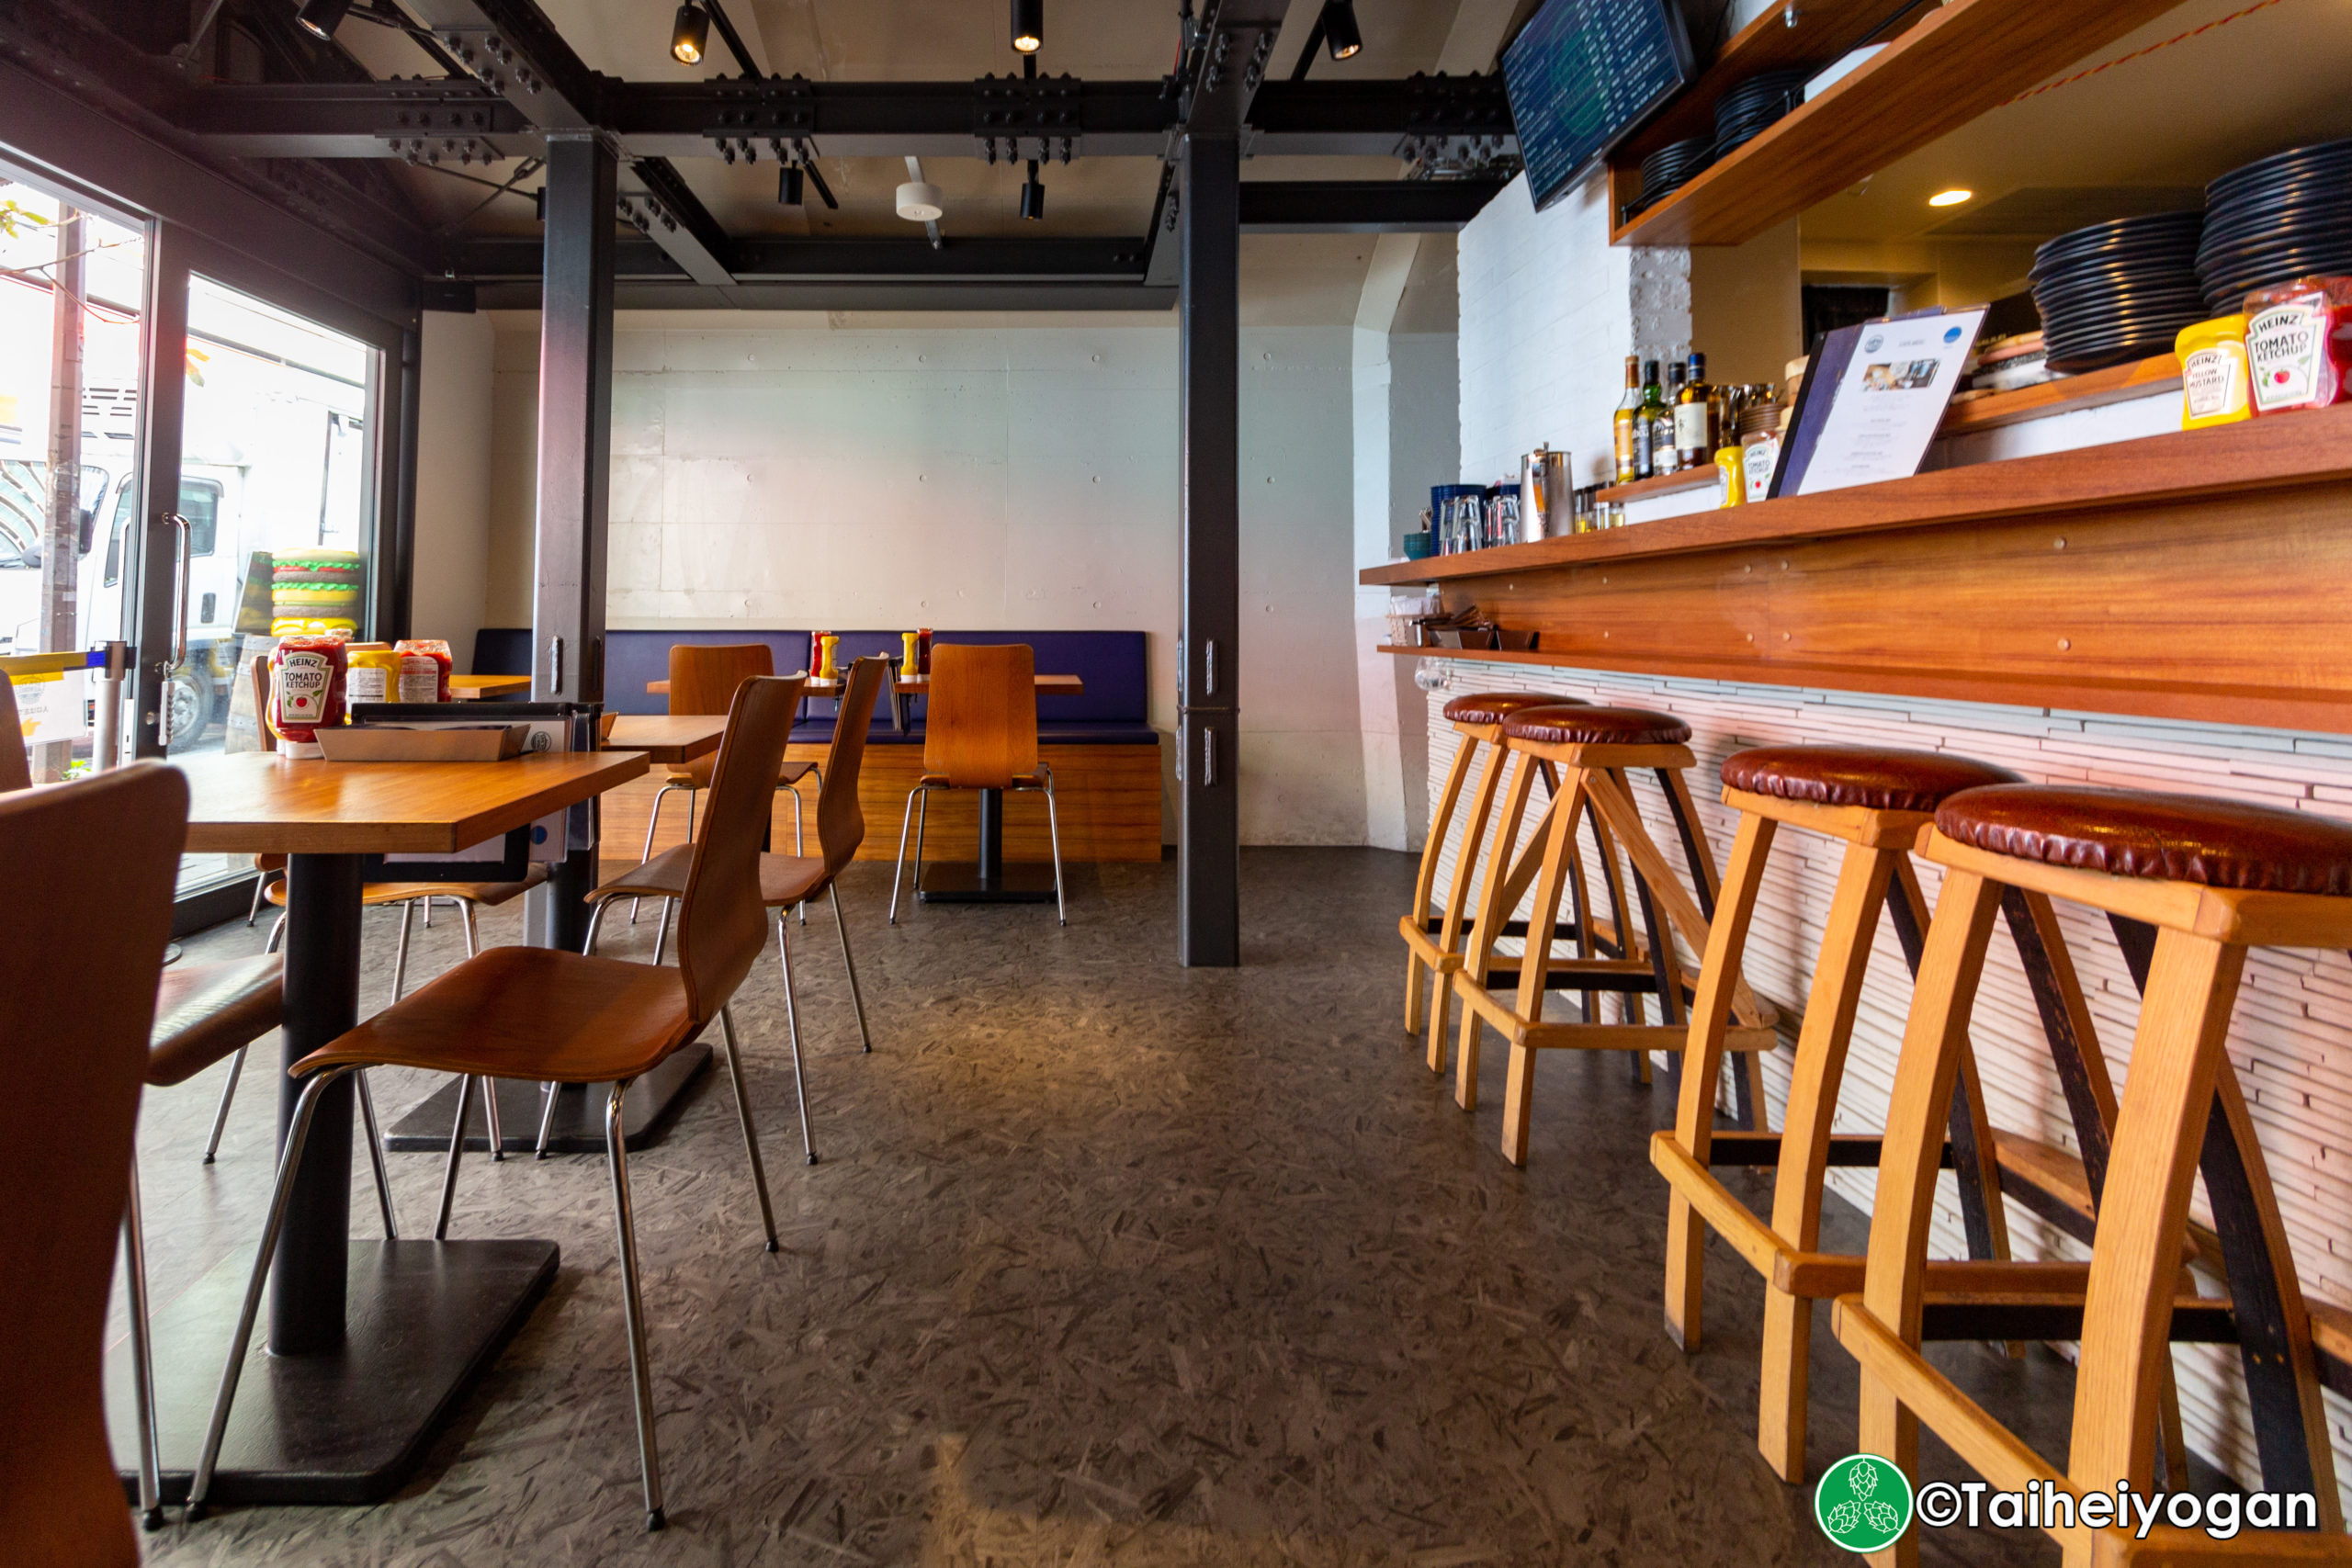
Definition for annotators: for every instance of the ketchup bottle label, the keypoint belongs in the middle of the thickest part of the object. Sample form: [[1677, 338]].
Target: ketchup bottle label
[[2284, 350], [304, 679]]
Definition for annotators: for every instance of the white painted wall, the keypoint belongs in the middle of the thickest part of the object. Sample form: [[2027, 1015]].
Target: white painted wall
[[778, 470], [452, 484]]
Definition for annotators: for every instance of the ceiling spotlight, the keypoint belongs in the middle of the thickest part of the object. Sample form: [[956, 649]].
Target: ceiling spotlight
[[1950, 198], [790, 184], [1339, 30], [1028, 24], [321, 18], [689, 34], [1033, 197], [919, 202]]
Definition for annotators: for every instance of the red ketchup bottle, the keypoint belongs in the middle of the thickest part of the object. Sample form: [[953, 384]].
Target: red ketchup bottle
[[305, 692]]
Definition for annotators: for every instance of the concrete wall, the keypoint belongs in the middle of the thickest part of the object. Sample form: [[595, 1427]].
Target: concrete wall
[[782, 470], [453, 480]]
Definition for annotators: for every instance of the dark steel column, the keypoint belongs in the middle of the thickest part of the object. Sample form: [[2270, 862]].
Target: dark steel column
[[148, 620], [575, 461], [308, 1284], [1208, 676]]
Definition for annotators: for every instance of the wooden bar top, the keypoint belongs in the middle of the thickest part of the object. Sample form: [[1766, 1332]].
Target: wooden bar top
[[260, 803], [2194, 575], [465, 688]]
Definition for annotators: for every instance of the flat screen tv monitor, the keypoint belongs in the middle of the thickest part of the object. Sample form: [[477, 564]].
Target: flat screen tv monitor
[[1582, 75]]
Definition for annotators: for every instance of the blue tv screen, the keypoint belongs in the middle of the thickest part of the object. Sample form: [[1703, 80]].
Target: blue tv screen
[[1582, 75]]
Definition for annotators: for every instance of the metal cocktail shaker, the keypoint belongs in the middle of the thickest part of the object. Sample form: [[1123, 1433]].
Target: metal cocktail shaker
[[1545, 495]]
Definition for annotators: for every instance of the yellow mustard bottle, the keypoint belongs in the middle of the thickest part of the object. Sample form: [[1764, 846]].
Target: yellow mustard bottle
[[2214, 384]]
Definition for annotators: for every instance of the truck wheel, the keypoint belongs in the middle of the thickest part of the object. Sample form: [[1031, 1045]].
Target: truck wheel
[[191, 698]]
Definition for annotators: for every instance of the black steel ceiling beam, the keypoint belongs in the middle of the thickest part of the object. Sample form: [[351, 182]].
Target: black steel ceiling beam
[[1435, 118], [517, 52], [1363, 207], [853, 260], [679, 224]]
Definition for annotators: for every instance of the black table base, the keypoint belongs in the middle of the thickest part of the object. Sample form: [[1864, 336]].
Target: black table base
[[990, 881], [652, 1105], [346, 1426]]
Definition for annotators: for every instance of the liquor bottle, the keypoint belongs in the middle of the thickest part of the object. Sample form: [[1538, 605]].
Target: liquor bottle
[[1665, 456], [1629, 409], [1694, 416], [1645, 422]]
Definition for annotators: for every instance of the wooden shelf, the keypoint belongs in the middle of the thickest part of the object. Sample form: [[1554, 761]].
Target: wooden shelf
[[2094, 389], [1956, 61], [1663, 484], [2192, 575]]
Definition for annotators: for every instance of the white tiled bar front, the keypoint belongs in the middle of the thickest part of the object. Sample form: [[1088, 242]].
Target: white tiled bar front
[[2292, 1037]]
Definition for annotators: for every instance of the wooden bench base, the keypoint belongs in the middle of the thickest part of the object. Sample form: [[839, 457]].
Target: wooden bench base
[[1108, 797]]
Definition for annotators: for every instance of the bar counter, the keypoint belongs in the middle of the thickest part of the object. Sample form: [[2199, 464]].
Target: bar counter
[[2193, 575]]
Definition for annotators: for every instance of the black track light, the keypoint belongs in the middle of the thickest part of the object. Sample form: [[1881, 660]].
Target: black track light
[[689, 34], [1033, 197], [1339, 30], [1028, 24], [791, 184], [322, 17]]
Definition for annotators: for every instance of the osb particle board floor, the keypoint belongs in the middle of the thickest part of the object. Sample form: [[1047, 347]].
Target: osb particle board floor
[[1106, 1261]]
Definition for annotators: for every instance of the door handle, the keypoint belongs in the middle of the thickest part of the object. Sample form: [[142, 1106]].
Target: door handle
[[182, 567]]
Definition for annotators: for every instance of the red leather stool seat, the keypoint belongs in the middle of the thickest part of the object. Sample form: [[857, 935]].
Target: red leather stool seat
[[2173, 838], [1561, 725], [1493, 707], [1879, 778]]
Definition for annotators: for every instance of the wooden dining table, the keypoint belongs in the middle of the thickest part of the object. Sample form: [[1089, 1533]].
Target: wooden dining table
[[371, 1345], [468, 688], [667, 738]]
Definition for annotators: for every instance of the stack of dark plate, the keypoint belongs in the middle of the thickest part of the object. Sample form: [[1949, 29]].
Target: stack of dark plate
[[2118, 291], [1756, 103], [1664, 171], [2288, 216]]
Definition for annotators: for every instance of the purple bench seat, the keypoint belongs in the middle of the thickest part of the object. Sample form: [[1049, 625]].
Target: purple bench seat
[[1114, 710]]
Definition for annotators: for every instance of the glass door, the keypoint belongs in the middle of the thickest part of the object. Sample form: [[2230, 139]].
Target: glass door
[[278, 482], [70, 287]]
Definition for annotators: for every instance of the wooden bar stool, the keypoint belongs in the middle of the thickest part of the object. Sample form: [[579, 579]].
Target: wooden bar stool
[[1875, 801], [1433, 941], [2214, 878], [1593, 748]]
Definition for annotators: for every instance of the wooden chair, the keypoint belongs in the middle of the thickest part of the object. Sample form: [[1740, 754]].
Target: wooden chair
[[1874, 800], [1593, 747], [542, 1014], [784, 880], [703, 678], [2214, 879], [1433, 941], [97, 859], [981, 732]]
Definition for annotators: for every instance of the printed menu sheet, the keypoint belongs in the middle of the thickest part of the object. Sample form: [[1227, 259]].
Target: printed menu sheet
[[1889, 399]]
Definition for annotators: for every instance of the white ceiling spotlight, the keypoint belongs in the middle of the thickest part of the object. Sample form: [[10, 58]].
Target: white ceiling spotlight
[[918, 201]]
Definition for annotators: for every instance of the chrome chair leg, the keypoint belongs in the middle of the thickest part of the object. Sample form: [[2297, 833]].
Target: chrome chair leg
[[227, 1093], [277, 933], [652, 820], [595, 919], [261, 884], [857, 1000], [632, 1308], [661, 933], [906, 824], [200, 1486], [496, 1133], [1054, 828], [547, 1118], [799, 843], [375, 1157], [428, 911], [923, 820], [743, 1114], [400, 953], [792, 1022], [457, 1147], [142, 1365]]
